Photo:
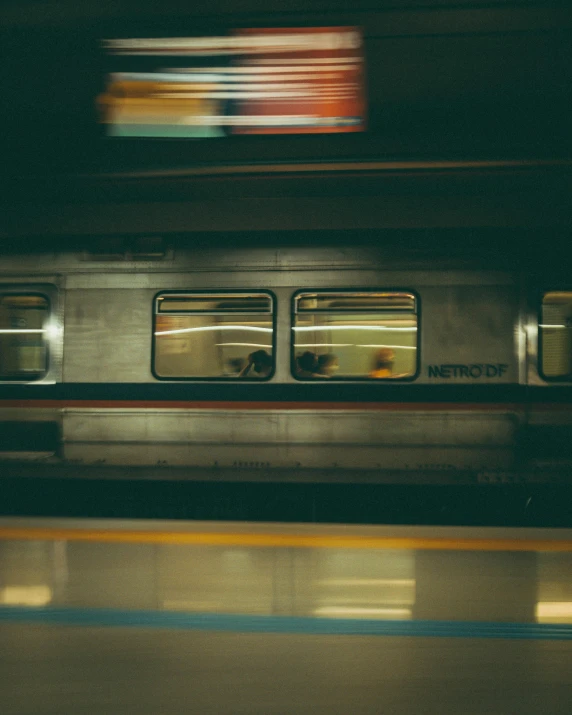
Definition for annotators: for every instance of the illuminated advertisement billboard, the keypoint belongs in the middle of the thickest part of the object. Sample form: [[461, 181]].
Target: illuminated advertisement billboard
[[251, 81]]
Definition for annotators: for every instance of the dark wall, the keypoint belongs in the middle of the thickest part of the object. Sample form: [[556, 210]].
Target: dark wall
[[459, 79]]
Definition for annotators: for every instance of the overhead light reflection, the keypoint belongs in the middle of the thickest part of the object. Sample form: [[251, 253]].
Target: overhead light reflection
[[351, 327], [52, 331], [213, 327], [345, 612], [23, 330], [25, 595], [350, 345], [402, 347], [324, 345], [394, 582], [553, 610], [245, 345]]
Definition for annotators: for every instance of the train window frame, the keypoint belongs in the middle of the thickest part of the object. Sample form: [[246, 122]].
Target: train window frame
[[567, 379], [213, 292], [343, 291], [52, 331]]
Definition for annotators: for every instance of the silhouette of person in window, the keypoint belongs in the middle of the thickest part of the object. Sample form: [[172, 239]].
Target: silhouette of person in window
[[259, 365]]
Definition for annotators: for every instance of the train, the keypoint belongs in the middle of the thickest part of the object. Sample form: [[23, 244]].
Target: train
[[144, 362]]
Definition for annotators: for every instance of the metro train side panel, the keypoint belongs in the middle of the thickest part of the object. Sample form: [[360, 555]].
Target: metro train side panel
[[469, 411]]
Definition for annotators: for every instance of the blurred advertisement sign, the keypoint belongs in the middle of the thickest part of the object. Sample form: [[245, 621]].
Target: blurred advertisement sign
[[270, 81]]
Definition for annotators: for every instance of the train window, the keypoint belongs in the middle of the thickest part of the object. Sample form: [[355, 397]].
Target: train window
[[23, 336], [371, 335], [214, 335], [555, 335]]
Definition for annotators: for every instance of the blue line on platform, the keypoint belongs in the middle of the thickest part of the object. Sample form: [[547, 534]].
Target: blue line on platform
[[283, 624]]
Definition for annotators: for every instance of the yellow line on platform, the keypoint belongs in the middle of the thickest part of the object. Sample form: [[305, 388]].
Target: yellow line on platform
[[284, 540]]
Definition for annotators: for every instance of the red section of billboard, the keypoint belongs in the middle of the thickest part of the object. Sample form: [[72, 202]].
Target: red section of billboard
[[313, 82], [253, 81]]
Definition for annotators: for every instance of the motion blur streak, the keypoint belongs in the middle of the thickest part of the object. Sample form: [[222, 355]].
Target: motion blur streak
[[286, 540], [265, 81]]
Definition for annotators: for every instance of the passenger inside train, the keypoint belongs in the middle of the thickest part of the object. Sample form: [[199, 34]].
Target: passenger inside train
[[383, 363], [259, 365], [235, 366], [328, 365], [307, 365]]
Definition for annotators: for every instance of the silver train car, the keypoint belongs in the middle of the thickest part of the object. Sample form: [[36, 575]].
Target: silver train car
[[288, 363]]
